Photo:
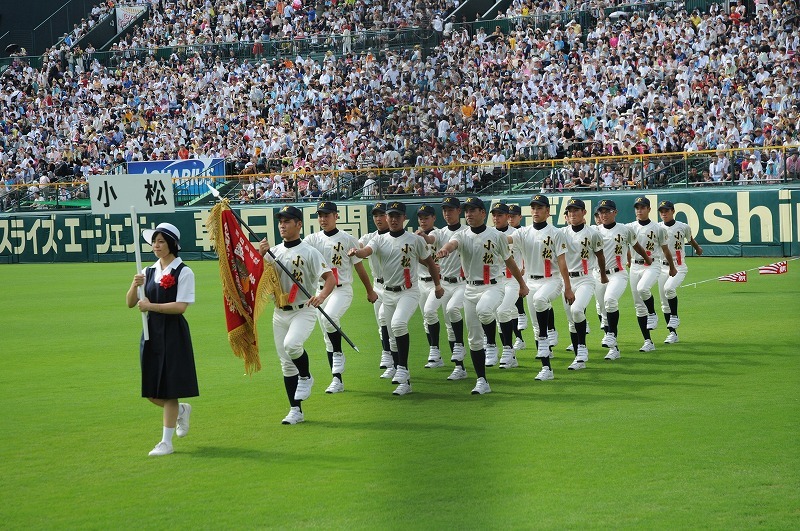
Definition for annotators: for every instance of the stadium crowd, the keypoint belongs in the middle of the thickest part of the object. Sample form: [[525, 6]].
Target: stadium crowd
[[659, 82]]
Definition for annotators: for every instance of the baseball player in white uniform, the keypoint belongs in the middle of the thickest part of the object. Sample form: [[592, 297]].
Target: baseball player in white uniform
[[543, 247], [453, 283], [678, 234], [507, 314], [426, 217], [515, 220], [387, 343], [399, 252], [584, 255], [653, 238], [333, 244], [483, 252], [292, 324], [618, 239]]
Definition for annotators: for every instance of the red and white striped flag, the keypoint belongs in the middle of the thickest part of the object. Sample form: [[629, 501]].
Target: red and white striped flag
[[741, 276], [778, 268]]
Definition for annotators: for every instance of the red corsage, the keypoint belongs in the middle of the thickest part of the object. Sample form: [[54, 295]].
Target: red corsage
[[167, 281]]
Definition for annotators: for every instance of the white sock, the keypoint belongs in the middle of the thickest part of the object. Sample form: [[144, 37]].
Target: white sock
[[167, 436]]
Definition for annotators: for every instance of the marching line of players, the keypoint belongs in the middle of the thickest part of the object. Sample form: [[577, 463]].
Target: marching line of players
[[484, 270]]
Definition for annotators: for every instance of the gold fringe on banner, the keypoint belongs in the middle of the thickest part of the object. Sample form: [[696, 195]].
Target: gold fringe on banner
[[243, 338]]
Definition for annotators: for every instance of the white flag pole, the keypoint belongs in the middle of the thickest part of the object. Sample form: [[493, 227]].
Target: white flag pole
[[137, 250]]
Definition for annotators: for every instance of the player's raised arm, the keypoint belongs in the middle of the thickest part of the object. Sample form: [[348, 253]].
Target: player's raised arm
[[447, 248]]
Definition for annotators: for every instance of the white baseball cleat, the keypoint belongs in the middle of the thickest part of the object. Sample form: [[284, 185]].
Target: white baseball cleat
[[648, 346], [481, 387], [674, 321], [295, 416], [507, 360], [336, 386], [458, 352], [519, 344], [491, 355], [577, 365], [459, 373], [338, 363], [545, 374], [162, 448], [388, 373], [543, 350], [582, 354], [182, 428], [613, 354], [386, 360], [401, 375], [432, 364], [522, 321], [402, 389], [570, 348], [609, 340], [552, 337], [671, 338], [652, 321], [303, 388]]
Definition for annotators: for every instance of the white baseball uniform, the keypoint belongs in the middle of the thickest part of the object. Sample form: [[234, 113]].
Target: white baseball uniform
[[618, 241], [452, 282], [678, 234], [651, 236], [581, 262], [292, 324], [507, 310]]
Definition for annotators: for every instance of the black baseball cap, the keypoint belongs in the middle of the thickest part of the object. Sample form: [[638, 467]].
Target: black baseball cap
[[666, 205], [379, 208], [395, 206], [500, 207], [290, 212], [606, 204], [575, 203], [451, 202], [426, 210], [327, 207], [540, 199], [474, 202], [515, 210], [641, 200]]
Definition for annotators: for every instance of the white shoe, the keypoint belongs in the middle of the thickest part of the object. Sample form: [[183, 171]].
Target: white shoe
[[458, 352], [545, 374], [613, 354], [402, 389], [401, 375], [303, 388], [609, 340], [491, 355], [388, 373], [338, 363], [295, 416], [543, 350], [519, 344], [577, 365], [481, 387], [552, 337], [182, 428], [570, 348], [459, 373], [648, 346], [652, 321], [432, 364], [386, 360], [582, 354], [671, 338], [336, 386], [506, 357], [522, 321], [674, 322], [162, 448]]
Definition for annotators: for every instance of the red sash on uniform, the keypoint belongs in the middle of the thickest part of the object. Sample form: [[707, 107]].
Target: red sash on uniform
[[548, 269], [678, 257], [619, 262], [407, 277], [585, 265], [293, 293], [335, 274], [486, 274]]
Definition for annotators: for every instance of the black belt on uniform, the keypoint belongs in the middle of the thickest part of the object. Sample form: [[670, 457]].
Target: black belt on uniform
[[574, 274], [426, 279], [613, 270], [452, 280], [379, 280], [639, 261], [665, 262], [481, 282], [337, 285], [394, 288], [537, 277], [292, 308]]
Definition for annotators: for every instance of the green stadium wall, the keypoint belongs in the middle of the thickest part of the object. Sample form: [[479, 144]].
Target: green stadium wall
[[726, 222]]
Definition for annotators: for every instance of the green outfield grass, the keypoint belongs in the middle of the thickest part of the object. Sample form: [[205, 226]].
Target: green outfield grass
[[700, 434]]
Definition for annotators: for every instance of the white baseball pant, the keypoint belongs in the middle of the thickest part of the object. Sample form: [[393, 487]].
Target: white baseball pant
[[452, 301], [507, 310], [668, 286], [541, 294], [335, 306], [583, 288], [610, 293], [643, 278], [397, 309], [291, 330], [480, 307]]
